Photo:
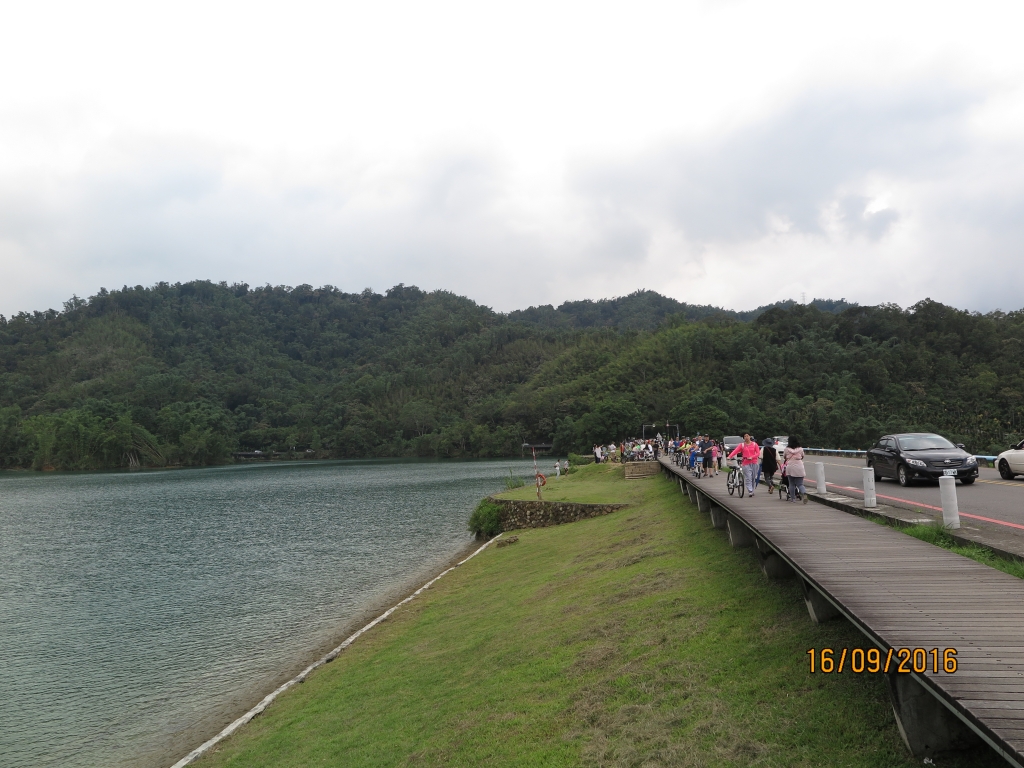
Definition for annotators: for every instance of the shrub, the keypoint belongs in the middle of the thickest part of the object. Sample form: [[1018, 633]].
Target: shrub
[[513, 481], [486, 519]]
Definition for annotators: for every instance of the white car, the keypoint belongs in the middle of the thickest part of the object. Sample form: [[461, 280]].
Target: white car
[[780, 447], [1011, 462]]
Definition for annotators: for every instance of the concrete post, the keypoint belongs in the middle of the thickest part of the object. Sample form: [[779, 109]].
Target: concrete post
[[950, 510], [772, 566], [739, 535], [719, 517], [703, 502], [927, 727], [820, 609], [819, 477], [870, 500], [691, 493]]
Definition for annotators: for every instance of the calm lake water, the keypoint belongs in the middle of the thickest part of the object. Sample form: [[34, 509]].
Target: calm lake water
[[140, 611]]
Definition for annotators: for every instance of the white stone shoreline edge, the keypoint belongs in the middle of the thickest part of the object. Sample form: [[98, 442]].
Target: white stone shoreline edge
[[301, 677]]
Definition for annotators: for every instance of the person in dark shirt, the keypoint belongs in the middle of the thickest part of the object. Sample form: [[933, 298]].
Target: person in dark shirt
[[709, 457], [769, 463]]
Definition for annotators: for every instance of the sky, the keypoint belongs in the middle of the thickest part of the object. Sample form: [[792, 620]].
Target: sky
[[719, 152]]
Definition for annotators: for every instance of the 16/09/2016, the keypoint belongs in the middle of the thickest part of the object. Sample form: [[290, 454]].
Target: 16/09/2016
[[901, 660]]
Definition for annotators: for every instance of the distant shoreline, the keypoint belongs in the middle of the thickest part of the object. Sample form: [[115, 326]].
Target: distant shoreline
[[260, 462]]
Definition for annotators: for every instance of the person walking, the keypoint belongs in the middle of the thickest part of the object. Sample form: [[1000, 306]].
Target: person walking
[[558, 468], [709, 458], [795, 472], [769, 463], [750, 453]]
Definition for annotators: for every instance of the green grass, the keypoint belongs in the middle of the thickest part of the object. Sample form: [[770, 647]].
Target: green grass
[[635, 639], [589, 484]]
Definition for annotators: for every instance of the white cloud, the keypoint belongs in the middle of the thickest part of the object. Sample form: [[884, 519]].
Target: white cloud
[[727, 153]]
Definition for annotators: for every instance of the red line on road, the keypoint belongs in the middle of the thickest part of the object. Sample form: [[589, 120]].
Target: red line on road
[[926, 506]]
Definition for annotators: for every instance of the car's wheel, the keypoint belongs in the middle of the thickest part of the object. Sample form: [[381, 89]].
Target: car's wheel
[[878, 475], [1004, 470], [968, 480], [903, 476]]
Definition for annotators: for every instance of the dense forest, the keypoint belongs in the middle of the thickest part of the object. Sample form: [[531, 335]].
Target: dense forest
[[186, 374]]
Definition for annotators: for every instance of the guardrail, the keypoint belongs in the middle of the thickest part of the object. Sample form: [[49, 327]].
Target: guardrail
[[989, 460]]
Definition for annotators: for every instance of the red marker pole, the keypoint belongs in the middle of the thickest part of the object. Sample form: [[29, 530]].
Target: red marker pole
[[538, 478]]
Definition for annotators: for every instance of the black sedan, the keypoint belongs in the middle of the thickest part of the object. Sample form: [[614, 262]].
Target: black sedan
[[922, 455]]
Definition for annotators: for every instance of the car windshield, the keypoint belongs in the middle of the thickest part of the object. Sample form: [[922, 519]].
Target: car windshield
[[733, 439], [924, 443]]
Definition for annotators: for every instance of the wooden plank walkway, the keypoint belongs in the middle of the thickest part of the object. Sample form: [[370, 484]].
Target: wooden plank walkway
[[904, 593]]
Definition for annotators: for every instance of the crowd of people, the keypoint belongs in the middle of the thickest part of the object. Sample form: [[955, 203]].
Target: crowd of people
[[758, 462], [701, 450], [630, 450]]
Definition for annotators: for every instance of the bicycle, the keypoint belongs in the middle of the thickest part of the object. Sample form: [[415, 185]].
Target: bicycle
[[734, 481], [698, 467]]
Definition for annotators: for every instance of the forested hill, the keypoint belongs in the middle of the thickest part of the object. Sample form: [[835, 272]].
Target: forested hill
[[185, 374], [643, 311]]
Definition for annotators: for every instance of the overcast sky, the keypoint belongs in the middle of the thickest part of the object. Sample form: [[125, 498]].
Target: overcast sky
[[522, 153]]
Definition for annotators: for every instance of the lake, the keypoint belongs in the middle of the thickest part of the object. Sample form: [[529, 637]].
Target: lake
[[141, 611]]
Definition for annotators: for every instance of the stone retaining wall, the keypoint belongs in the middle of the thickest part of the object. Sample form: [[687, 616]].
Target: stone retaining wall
[[636, 469], [540, 514]]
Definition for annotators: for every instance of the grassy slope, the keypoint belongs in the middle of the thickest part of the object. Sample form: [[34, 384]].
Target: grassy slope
[[639, 638], [587, 486]]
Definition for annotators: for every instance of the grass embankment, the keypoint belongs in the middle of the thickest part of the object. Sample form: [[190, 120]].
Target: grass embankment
[[638, 638], [591, 484]]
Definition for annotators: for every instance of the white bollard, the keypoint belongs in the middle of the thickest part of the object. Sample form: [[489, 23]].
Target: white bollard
[[950, 509], [870, 500], [819, 477]]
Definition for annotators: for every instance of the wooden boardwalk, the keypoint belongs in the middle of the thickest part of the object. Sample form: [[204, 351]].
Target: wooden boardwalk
[[901, 593]]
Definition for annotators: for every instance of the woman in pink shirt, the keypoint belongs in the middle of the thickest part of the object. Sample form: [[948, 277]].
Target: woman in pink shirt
[[750, 453]]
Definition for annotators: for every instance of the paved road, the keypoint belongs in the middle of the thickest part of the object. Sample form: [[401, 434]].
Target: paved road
[[991, 497]]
